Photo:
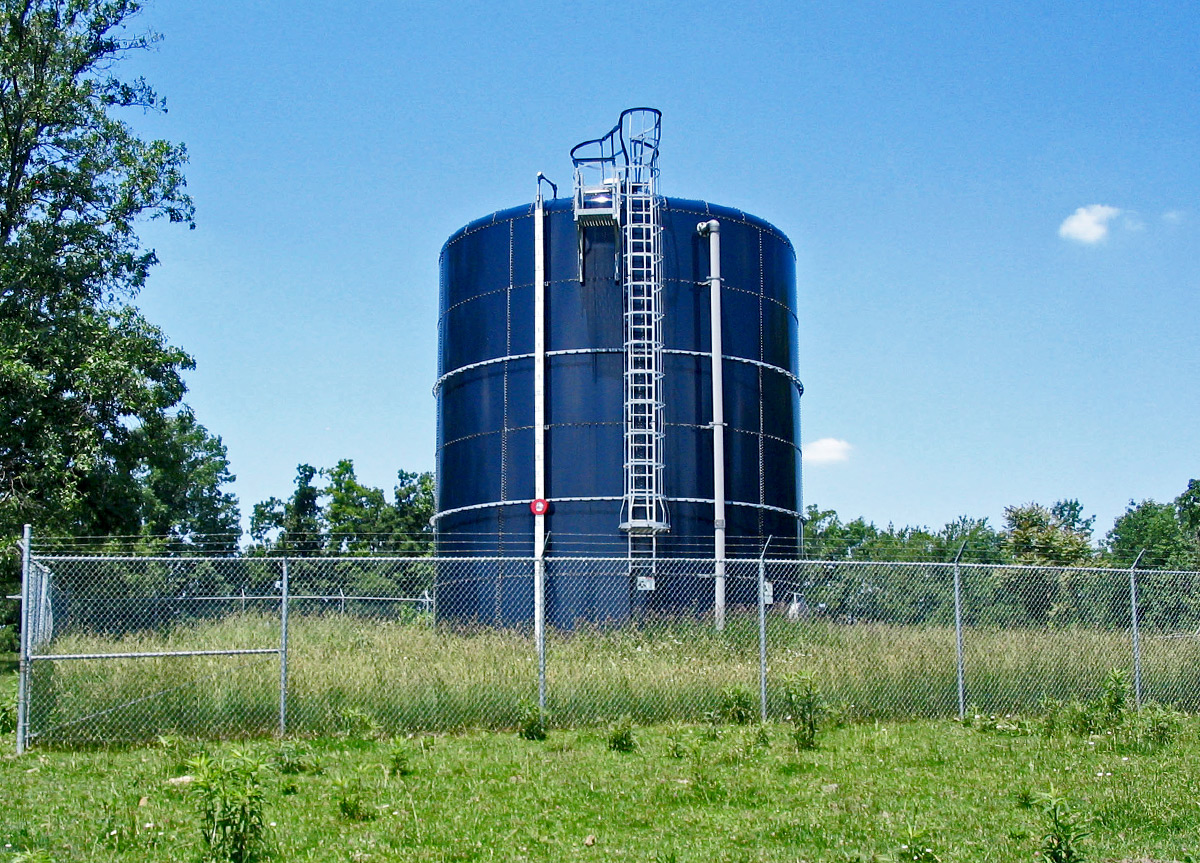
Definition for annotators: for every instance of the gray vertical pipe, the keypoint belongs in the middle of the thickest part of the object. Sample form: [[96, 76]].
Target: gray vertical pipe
[[539, 441], [712, 230], [958, 636], [762, 630], [1133, 618], [283, 650], [23, 665]]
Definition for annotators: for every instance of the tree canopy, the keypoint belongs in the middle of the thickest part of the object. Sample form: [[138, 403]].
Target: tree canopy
[[345, 517], [94, 436]]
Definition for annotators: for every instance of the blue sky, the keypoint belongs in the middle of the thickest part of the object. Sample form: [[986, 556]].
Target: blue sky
[[996, 211]]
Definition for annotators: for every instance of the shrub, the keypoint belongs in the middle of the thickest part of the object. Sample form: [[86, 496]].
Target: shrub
[[230, 794], [352, 804], [1060, 843], [620, 735], [737, 705], [804, 705], [8, 712], [399, 763], [532, 725], [292, 758]]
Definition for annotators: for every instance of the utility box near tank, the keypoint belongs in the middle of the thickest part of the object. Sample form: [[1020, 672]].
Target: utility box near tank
[[576, 367]]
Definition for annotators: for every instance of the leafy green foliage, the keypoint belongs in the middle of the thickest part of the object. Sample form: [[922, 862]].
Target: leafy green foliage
[[8, 710], [804, 705], [620, 735], [826, 537], [1157, 529], [295, 757], [1065, 831], [532, 725], [399, 761], [917, 847], [87, 385], [737, 705], [1058, 536], [345, 517], [230, 795], [352, 802]]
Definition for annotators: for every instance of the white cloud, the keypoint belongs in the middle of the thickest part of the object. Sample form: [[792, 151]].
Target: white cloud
[[1173, 217], [1088, 224], [826, 451]]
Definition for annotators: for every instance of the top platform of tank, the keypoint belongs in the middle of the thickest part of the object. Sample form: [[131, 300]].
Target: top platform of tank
[[700, 209]]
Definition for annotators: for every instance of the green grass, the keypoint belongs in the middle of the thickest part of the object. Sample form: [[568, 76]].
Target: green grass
[[684, 793], [351, 675]]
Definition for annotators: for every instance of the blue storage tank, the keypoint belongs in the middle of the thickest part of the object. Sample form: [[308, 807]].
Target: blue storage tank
[[485, 395]]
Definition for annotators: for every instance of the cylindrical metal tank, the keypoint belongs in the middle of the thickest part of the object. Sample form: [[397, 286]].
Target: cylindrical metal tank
[[485, 393]]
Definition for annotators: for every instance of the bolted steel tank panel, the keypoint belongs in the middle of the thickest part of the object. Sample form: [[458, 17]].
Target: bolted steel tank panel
[[485, 445]]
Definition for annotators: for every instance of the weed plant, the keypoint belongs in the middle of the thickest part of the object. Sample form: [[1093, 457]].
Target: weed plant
[[399, 761], [352, 801], [231, 796], [737, 705], [1065, 833], [804, 705], [533, 724], [620, 735]]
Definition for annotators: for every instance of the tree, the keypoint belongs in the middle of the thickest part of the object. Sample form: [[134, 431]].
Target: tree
[[1187, 505], [1155, 529], [296, 526], [82, 373], [1058, 536], [345, 516], [169, 474]]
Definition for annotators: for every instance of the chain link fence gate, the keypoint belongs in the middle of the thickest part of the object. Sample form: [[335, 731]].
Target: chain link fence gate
[[127, 648]]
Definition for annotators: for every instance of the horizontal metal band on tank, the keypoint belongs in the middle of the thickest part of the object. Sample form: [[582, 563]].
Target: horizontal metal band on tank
[[615, 498], [575, 351], [597, 423], [726, 284]]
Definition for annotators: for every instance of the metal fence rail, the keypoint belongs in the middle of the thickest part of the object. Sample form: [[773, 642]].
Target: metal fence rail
[[127, 648]]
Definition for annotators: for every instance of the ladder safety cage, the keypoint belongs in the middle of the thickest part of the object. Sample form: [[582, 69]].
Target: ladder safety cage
[[615, 179]]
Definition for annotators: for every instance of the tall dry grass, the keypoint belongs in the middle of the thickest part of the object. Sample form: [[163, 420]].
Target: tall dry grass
[[349, 675]]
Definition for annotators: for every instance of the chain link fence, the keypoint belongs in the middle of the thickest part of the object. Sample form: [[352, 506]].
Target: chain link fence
[[127, 648]]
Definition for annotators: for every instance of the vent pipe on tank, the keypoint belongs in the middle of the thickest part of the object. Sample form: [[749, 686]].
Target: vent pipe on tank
[[540, 537], [712, 230]]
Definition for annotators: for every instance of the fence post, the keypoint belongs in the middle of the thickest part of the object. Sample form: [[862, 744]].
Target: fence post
[[23, 656], [1133, 618], [762, 630], [283, 649], [958, 636]]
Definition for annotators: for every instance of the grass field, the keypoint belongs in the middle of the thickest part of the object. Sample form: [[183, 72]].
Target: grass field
[[352, 675], [684, 793]]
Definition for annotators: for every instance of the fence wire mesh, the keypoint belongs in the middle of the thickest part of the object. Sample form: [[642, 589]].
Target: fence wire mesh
[[127, 648]]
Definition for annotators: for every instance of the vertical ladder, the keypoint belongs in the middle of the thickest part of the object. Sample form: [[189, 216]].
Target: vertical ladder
[[615, 186], [641, 257]]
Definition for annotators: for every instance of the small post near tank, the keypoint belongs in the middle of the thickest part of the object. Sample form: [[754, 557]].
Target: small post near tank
[[712, 230]]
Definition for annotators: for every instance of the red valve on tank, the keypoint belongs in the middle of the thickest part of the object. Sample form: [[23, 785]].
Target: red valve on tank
[[539, 506]]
